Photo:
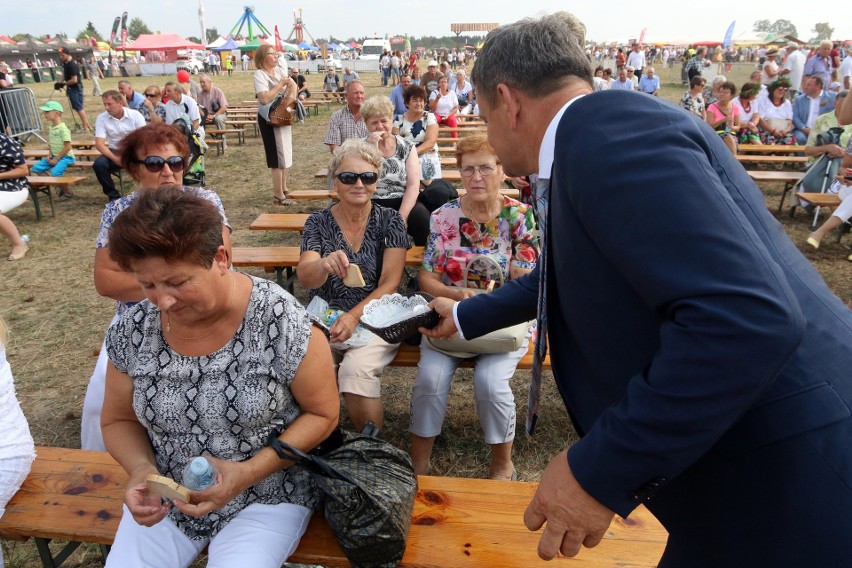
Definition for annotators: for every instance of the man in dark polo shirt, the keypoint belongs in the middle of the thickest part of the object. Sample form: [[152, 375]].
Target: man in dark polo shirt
[[73, 83]]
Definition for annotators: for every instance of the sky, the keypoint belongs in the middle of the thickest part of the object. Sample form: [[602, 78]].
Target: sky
[[618, 20]]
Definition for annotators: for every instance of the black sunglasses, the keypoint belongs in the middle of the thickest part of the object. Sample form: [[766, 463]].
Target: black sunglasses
[[351, 178], [155, 164], [152, 95]]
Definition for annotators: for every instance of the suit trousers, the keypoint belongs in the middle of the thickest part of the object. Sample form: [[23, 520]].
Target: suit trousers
[[104, 167]]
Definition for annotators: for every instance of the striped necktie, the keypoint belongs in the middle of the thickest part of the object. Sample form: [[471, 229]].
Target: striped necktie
[[542, 203]]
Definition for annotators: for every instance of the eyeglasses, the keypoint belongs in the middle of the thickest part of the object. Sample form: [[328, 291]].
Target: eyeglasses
[[155, 164], [351, 178], [151, 95], [484, 171]]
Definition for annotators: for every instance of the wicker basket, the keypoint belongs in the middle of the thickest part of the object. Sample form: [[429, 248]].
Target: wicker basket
[[400, 331]]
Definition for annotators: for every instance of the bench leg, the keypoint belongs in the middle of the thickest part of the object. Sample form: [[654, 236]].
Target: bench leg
[[787, 187], [48, 560], [34, 197]]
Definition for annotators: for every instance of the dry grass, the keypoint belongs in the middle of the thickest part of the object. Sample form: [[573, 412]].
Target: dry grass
[[57, 319]]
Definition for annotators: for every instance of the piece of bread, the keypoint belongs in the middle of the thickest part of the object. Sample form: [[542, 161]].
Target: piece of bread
[[168, 488], [353, 277]]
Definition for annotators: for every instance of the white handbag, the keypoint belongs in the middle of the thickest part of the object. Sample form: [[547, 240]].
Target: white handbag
[[503, 340]]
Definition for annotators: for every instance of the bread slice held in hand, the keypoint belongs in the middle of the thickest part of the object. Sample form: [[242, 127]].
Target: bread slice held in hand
[[168, 488], [353, 277]]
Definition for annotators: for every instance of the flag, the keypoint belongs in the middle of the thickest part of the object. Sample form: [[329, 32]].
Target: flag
[[728, 34], [114, 31], [279, 47], [124, 29], [642, 35]]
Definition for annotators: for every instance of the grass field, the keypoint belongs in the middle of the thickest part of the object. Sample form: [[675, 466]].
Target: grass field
[[57, 319]]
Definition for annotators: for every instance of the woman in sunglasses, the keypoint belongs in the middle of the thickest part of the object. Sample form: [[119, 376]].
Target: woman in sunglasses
[[155, 156], [153, 109], [354, 252]]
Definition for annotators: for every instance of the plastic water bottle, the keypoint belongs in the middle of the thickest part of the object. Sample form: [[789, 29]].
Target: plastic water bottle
[[25, 239], [199, 474]]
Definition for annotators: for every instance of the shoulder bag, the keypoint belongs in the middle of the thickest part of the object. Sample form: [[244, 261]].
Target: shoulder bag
[[369, 487], [280, 112], [503, 340]]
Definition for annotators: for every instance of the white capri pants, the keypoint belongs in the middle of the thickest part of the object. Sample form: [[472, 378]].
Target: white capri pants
[[844, 210], [260, 536], [495, 403], [90, 420], [12, 199]]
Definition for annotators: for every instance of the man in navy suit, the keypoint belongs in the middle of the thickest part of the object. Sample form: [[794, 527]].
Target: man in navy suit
[[813, 102], [702, 359]]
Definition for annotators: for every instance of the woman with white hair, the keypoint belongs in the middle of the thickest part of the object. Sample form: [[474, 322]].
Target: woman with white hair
[[463, 89]]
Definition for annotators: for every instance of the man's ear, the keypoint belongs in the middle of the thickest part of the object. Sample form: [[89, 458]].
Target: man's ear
[[509, 102]]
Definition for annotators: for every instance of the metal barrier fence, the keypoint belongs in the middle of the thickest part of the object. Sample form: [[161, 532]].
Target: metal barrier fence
[[318, 65], [19, 114]]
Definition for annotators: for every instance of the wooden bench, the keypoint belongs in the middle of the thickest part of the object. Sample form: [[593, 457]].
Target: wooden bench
[[85, 165], [283, 260], [757, 159], [241, 123], [279, 222], [409, 356], [45, 184], [770, 148], [75, 496], [789, 179], [240, 132]]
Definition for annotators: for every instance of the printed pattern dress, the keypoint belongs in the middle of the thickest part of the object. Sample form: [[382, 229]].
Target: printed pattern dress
[[415, 132], [224, 404]]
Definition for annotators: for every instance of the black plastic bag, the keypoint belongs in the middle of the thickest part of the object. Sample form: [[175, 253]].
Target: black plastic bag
[[369, 488]]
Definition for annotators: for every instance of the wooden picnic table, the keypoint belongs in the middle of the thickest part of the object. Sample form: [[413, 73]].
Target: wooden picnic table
[[81, 153], [45, 184]]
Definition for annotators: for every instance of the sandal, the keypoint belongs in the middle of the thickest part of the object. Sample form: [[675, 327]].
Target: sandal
[[19, 254], [65, 195], [283, 200]]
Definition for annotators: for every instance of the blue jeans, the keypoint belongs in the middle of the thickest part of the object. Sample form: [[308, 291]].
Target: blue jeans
[[57, 169]]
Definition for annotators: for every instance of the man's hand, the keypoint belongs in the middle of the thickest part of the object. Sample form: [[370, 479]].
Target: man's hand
[[573, 516], [446, 326]]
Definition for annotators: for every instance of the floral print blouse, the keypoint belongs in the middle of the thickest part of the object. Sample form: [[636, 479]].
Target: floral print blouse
[[454, 240]]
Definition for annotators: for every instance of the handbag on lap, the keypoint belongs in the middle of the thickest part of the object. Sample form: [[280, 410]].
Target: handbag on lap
[[503, 340]]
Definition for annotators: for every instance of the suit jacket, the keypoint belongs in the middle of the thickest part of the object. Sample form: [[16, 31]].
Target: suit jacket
[[802, 108], [700, 355]]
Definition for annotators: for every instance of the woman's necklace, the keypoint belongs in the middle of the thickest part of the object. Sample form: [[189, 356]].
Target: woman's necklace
[[215, 327], [359, 231]]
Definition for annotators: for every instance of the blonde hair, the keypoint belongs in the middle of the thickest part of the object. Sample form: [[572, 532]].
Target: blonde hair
[[355, 148], [378, 105], [473, 143]]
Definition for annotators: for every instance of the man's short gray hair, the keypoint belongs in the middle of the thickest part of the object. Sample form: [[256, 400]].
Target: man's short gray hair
[[204, 77], [536, 56]]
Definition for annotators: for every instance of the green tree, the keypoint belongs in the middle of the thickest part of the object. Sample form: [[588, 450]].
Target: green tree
[[778, 27], [821, 31], [88, 31], [193, 39], [761, 26], [212, 35], [136, 28]]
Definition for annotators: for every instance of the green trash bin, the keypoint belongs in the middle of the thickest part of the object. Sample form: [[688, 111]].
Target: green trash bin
[[25, 76], [46, 75]]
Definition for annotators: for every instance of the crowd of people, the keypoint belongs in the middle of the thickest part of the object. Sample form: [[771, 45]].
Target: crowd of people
[[201, 359]]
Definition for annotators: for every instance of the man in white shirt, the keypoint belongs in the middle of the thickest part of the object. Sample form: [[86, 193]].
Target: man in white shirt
[[110, 129], [636, 59], [795, 64], [182, 106], [845, 72]]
